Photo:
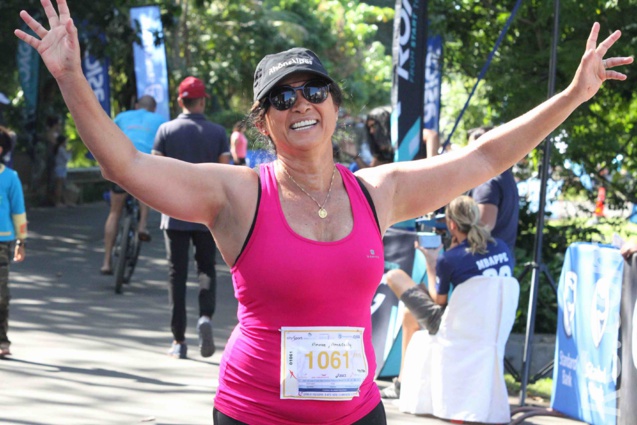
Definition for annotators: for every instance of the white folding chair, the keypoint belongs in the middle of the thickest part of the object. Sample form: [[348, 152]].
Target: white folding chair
[[458, 374]]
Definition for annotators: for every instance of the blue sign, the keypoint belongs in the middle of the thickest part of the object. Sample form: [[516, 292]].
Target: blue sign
[[586, 362], [408, 52], [151, 71], [433, 82], [28, 69], [96, 72]]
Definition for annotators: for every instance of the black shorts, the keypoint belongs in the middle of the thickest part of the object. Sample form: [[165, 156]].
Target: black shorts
[[375, 417], [115, 188]]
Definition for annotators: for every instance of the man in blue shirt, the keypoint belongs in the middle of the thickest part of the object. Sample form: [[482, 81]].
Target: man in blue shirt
[[140, 125]]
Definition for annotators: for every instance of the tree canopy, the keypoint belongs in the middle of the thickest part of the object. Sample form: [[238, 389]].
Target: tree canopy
[[221, 41]]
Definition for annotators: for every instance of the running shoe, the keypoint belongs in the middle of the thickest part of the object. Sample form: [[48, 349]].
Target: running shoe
[[4, 350], [206, 342], [392, 391], [178, 351]]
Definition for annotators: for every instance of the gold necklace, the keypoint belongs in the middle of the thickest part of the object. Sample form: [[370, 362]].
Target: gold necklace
[[322, 212]]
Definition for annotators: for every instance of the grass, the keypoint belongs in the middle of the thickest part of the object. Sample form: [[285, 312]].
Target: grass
[[540, 390]]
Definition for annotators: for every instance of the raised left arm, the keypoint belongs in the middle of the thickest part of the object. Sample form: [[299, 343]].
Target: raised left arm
[[409, 189]]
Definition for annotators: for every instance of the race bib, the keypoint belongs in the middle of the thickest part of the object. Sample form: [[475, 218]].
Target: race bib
[[322, 363]]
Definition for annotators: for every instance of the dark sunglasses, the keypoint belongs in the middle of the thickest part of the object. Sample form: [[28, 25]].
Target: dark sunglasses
[[283, 98]]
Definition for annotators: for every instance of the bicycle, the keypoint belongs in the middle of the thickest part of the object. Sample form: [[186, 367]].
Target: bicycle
[[127, 244]]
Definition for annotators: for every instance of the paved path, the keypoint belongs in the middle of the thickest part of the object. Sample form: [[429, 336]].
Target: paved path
[[83, 355]]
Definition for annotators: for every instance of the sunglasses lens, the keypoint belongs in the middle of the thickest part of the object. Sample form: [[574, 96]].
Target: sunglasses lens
[[316, 92], [283, 98]]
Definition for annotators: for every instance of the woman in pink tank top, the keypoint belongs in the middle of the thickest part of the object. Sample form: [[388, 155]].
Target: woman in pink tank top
[[303, 235], [238, 144]]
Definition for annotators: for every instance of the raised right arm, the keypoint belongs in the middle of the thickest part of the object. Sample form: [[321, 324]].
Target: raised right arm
[[200, 193]]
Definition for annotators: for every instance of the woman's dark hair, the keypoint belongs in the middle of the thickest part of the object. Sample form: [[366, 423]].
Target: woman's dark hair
[[239, 126], [380, 138], [52, 120], [59, 141], [476, 133], [6, 143]]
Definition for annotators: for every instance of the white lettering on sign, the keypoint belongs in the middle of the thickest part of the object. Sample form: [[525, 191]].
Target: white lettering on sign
[[432, 87], [95, 76], [567, 378], [405, 37], [567, 361], [24, 62]]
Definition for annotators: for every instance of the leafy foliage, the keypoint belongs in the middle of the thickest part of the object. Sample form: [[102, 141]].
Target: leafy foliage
[[221, 41]]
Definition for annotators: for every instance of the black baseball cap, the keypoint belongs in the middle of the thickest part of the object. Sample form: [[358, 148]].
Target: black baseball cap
[[273, 68]]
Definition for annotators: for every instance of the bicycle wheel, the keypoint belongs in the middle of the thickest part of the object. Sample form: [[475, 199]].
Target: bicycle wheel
[[122, 249], [131, 255]]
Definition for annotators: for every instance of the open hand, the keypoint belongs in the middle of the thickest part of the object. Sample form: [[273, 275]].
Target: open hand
[[594, 69], [59, 46], [628, 249], [431, 254]]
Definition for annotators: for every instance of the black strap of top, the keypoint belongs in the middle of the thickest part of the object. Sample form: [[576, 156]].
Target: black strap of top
[[369, 200], [254, 220]]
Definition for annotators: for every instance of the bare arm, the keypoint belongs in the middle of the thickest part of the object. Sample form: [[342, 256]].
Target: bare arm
[[431, 139], [217, 195], [488, 215], [628, 249], [233, 146], [198, 192], [409, 189], [224, 158], [431, 256]]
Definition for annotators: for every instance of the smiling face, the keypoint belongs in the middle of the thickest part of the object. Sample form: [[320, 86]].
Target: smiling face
[[305, 125]]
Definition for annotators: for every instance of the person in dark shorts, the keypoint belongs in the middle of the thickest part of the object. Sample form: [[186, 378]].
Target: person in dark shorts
[[140, 125]]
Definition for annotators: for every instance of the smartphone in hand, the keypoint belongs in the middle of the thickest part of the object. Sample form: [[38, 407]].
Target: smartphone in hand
[[429, 240]]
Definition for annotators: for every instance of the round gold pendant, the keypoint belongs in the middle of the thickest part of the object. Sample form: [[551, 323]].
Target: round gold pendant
[[322, 213]]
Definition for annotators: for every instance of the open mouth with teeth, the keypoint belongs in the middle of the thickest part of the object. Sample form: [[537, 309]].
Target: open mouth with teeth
[[302, 125]]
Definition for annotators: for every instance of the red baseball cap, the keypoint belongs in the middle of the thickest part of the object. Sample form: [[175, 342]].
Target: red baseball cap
[[192, 88]]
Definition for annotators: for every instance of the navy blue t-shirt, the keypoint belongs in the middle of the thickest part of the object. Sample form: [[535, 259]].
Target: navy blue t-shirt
[[457, 265], [191, 138], [501, 191]]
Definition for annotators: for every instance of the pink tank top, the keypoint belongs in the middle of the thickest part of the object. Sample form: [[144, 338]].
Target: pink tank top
[[283, 279]]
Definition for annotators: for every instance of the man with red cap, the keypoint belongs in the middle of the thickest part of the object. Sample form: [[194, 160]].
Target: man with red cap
[[191, 137]]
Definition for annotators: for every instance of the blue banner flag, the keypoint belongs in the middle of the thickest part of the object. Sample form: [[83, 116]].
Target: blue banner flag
[[151, 71], [586, 362], [409, 50], [28, 73], [433, 83], [96, 72]]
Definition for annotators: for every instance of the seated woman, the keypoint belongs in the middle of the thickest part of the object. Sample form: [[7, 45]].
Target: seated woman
[[473, 252]]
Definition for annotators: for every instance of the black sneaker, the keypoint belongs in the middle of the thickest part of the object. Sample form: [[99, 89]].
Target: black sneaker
[[392, 391]]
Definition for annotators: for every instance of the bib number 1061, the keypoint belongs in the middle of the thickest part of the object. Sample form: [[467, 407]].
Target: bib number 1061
[[326, 359]]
